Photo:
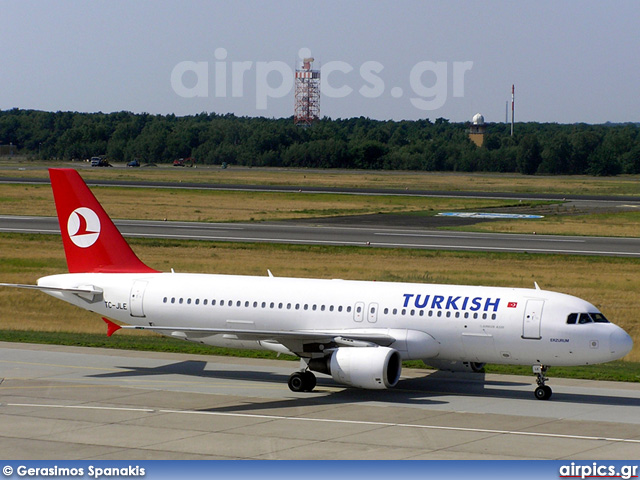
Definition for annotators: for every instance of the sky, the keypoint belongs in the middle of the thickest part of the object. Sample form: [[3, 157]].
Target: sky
[[570, 61]]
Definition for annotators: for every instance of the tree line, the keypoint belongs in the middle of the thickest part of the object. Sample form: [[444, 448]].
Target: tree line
[[439, 145]]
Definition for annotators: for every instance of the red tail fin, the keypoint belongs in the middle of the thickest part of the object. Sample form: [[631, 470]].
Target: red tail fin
[[92, 243]]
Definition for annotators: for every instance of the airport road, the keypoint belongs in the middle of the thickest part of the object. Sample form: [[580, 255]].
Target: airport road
[[85, 403], [323, 234]]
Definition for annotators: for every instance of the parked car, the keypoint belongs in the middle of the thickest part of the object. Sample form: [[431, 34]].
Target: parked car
[[100, 162], [184, 162]]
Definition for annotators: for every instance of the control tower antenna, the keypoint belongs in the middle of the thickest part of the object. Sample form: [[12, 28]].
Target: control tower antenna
[[513, 92]]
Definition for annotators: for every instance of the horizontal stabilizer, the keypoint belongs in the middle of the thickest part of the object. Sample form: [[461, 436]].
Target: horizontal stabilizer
[[89, 292]]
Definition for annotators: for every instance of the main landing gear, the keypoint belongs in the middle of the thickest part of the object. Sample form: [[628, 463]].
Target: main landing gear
[[543, 392], [302, 381]]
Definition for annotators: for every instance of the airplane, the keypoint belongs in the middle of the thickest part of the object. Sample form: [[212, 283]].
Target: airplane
[[358, 332]]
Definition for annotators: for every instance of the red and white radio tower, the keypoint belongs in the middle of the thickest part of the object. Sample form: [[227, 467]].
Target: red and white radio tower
[[307, 107]]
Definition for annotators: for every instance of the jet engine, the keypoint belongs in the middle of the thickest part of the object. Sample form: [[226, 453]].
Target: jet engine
[[452, 366], [366, 367]]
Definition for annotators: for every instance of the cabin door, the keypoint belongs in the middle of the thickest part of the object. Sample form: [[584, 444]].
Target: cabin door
[[372, 314], [531, 319], [358, 312], [136, 299]]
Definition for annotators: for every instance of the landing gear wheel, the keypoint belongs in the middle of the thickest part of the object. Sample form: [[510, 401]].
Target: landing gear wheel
[[543, 392], [296, 382], [302, 381], [309, 381]]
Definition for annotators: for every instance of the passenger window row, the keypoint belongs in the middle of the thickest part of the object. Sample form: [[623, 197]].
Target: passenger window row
[[315, 307], [439, 313], [254, 304]]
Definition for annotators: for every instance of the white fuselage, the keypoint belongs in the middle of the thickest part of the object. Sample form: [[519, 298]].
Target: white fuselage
[[438, 322]]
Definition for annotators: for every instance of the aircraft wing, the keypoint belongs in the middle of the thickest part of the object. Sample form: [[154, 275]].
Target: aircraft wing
[[292, 339]]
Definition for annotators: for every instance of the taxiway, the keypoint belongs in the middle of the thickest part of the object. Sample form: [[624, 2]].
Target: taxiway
[[310, 233], [85, 403]]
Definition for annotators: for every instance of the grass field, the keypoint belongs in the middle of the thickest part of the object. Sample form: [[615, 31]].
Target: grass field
[[231, 206], [609, 283], [619, 224], [486, 182]]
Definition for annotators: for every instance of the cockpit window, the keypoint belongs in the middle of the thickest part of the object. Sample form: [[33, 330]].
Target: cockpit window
[[598, 318], [582, 318]]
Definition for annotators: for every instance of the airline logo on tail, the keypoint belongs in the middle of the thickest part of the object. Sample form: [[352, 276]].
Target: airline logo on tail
[[83, 227]]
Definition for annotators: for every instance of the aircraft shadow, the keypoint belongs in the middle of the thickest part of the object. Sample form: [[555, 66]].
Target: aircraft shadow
[[475, 384], [419, 390], [198, 369], [194, 368]]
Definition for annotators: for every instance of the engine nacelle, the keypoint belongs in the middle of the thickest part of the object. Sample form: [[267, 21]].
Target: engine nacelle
[[452, 366], [366, 367]]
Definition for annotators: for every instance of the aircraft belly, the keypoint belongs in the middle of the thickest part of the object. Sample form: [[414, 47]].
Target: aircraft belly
[[478, 347]]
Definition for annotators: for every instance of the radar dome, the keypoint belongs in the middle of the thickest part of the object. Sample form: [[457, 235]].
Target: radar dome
[[478, 119]]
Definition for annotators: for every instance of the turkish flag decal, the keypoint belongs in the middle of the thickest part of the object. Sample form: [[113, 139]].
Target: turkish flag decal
[[512, 304]]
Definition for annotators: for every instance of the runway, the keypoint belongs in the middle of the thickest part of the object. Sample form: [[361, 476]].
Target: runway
[[370, 236], [371, 233], [593, 200], [86, 403]]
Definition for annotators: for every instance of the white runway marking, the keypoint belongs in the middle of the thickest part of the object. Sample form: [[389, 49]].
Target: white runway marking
[[326, 420], [528, 238]]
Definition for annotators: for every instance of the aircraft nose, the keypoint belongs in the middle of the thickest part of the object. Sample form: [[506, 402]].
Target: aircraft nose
[[620, 343]]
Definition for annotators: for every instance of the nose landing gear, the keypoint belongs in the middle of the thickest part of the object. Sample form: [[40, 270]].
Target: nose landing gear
[[543, 392]]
